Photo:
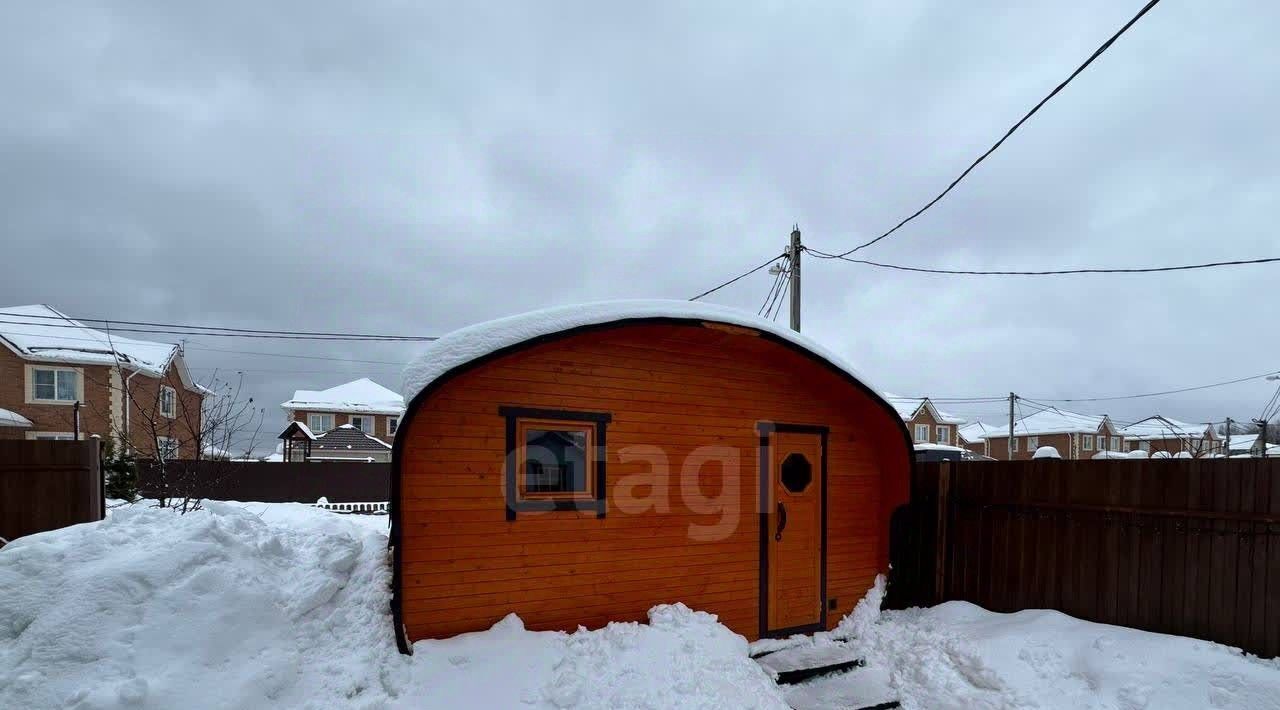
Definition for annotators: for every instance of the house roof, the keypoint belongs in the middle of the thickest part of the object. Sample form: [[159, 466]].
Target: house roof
[[473, 342], [13, 419], [909, 407], [362, 396], [978, 431], [1243, 442], [1157, 428], [347, 438], [41, 333], [1055, 421]]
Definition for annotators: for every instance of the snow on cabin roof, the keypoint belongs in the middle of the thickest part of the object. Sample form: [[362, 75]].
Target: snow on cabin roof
[[347, 437], [1157, 428], [13, 419], [476, 341], [1054, 421], [359, 396], [40, 332], [908, 406]]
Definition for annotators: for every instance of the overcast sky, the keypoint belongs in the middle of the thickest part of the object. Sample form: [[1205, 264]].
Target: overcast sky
[[411, 168]]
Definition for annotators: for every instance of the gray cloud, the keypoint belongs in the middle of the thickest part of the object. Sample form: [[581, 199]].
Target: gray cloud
[[411, 168]]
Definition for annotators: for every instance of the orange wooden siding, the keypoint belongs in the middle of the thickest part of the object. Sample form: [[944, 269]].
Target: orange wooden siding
[[676, 388]]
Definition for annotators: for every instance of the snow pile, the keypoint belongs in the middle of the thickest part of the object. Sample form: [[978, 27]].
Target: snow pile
[[1046, 452], [958, 655], [467, 344], [216, 608], [682, 658]]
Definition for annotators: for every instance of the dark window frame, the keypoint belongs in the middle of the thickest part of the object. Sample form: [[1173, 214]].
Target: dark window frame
[[596, 499]]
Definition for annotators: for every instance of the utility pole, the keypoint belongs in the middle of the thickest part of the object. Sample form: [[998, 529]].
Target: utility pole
[[1227, 452], [1262, 435], [1013, 399], [794, 250]]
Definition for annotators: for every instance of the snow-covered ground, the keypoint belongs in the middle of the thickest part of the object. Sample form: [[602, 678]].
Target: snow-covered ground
[[251, 605]]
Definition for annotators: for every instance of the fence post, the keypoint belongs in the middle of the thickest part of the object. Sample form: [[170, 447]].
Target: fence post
[[941, 543]]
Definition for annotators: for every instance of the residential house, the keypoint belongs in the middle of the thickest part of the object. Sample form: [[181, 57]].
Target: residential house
[[58, 376], [1075, 436], [926, 423], [363, 403], [1156, 433]]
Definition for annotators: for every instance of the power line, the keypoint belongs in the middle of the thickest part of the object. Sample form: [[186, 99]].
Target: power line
[[768, 299], [1097, 53], [111, 327], [1056, 272], [184, 329], [710, 291], [298, 357], [1158, 394]]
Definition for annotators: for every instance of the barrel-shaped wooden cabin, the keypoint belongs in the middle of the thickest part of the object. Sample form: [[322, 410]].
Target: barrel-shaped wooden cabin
[[580, 465]]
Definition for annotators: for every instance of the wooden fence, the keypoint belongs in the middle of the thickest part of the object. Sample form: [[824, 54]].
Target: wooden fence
[[337, 481], [46, 485], [1187, 547]]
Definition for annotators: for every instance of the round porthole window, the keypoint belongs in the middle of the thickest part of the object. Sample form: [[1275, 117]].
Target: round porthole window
[[796, 472]]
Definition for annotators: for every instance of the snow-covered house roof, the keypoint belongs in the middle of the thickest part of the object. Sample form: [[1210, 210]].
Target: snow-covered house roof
[[1157, 428], [1243, 442], [13, 419], [362, 396], [464, 345], [1056, 421], [909, 407], [978, 431], [43, 334], [348, 438]]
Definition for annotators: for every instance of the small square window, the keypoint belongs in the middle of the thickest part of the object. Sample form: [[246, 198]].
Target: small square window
[[168, 401], [53, 384], [555, 460], [393, 423], [922, 432], [1033, 442], [166, 447], [944, 434], [362, 422]]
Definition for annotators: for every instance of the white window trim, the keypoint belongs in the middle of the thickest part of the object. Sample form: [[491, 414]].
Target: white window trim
[[944, 434], [1086, 442], [922, 428], [373, 423], [1015, 444], [29, 390], [1115, 443], [174, 392], [317, 428], [396, 419], [1033, 442], [35, 435]]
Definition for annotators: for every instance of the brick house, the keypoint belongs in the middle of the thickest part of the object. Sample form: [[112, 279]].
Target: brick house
[[1075, 436], [926, 423], [973, 436], [136, 393], [364, 404], [1156, 433]]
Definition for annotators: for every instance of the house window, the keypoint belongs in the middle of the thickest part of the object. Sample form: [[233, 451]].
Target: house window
[[362, 422], [393, 423], [319, 423], [1015, 444], [166, 447], [1086, 442], [50, 436], [555, 460], [55, 384], [922, 432], [168, 401], [1115, 443], [944, 435], [1033, 442], [1144, 446]]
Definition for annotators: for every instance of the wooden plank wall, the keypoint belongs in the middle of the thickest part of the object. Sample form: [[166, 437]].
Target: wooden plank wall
[[46, 485], [1187, 547]]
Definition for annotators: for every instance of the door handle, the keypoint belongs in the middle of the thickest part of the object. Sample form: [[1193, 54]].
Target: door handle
[[782, 522]]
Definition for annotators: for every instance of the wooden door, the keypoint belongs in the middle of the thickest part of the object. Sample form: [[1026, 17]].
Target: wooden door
[[795, 541]]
